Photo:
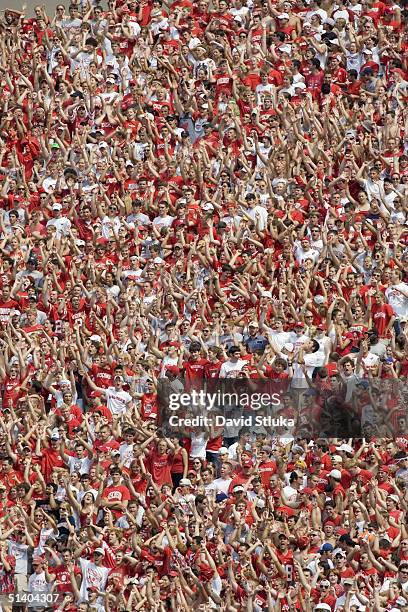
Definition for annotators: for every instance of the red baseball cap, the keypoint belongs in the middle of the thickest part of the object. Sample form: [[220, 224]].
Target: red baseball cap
[[306, 491], [173, 369]]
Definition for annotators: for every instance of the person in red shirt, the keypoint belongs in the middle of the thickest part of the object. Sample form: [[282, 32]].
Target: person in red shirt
[[383, 315], [116, 496], [50, 456], [149, 407], [353, 84], [266, 466], [135, 479], [121, 571], [285, 556], [159, 462], [339, 75], [214, 363], [194, 367], [60, 575], [314, 79]]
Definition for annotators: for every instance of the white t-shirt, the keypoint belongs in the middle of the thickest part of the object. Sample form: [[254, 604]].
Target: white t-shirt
[[62, 226], [312, 361], [59, 399], [167, 361], [279, 339], [92, 575], [20, 554], [354, 601], [126, 454], [221, 485], [261, 89], [369, 361], [132, 274], [198, 445], [260, 214], [374, 189], [79, 465], [386, 585], [210, 487], [44, 535], [290, 493], [301, 255], [325, 343], [228, 368], [109, 226], [232, 450], [117, 401], [397, 300], [163, 221], [49, 184], [38, 584]]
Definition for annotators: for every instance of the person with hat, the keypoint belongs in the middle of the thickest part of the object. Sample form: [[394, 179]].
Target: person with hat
[[94, 573], [118, 400], [253, 340], [61, 224], [38, 586]]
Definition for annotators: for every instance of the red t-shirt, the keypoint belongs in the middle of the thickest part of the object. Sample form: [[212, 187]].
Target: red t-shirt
[[50, 459], [160, 467], [381, 317], [116, 494], [62, 580]]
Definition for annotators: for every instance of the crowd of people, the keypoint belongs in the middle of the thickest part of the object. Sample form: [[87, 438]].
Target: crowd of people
[[195, 193]]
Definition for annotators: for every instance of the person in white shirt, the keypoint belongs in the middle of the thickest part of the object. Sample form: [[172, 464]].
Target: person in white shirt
[[80, 462], [373, 186], [397, 295], [62, 224], [83, 56], [134, 272], [110, 94], [255, 213], [234, 364], [277, 337], [222, 483], [94, 574], [310, 357], [163, 219], [354, 601], [264, 87], [126, 449], [111, 223], [117, 400], [402, 578], [19, 549], [303, 251], [325, 343], [316, 241], [239, 10], [136, 216], [158, 22], [244, 442], [298, 337], [207, 478], [37, 583], [366, 361]]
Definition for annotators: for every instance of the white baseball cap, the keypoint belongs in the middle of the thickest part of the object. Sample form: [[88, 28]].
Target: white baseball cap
[[336, 474]]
